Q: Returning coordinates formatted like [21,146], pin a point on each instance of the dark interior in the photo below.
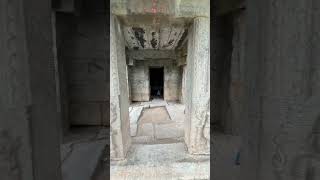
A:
[156,82]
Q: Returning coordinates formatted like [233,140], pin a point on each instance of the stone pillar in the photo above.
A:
[15,100]
[280,129]
[197,133]
[120,139]
[237,74]
[29,132]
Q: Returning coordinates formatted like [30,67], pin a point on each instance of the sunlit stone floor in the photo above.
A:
[158,150]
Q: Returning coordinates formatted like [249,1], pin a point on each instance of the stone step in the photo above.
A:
[82,159]
[161,161]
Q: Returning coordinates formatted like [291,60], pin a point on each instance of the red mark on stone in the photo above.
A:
[154,10]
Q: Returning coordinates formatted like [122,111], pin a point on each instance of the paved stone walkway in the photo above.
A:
[158,150]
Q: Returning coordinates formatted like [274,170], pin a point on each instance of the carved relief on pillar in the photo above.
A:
[306,165]
[113,142]
[200,130]
[202,141]
[297,145]
[199,140]
[9,164]
[11,45]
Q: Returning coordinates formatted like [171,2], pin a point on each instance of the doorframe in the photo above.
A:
[156,67]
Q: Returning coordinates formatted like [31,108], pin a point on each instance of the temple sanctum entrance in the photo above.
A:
[156,82]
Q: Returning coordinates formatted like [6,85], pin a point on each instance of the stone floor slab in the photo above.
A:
[160,161]
[170,130]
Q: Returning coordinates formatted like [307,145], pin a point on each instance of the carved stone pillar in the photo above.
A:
[29,132]
[198,88]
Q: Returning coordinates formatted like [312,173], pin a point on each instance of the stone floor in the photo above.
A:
[160,161]
[224,155]
[81,151]
[158,150]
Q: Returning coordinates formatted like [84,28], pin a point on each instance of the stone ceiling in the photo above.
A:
[157,38]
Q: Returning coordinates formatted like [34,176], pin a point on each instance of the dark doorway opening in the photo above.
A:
[156,82]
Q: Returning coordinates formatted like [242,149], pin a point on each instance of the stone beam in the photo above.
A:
[173,8]
[152,54]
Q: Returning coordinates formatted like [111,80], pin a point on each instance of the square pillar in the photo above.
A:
[120,139]
[29,122]
[197,133]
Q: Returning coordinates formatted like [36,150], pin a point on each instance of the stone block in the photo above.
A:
[85,114]
[83,91]
[87,69]
[146,129]
[143,139]
[134,116]
[170,130]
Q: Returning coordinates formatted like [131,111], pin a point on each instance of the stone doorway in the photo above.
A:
[156,82]
[156,56]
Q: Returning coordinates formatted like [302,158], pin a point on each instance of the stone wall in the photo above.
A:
[29,120]
[64,27]
[140,83]
[15,98]
[236,89]
[83,61]
[221,63]
[172,83]
[281,121]
[183,84]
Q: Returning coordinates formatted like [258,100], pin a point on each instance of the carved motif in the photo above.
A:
[306,166]
[202,136]
[9,165]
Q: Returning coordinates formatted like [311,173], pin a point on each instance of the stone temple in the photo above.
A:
[133,89]
[160,89]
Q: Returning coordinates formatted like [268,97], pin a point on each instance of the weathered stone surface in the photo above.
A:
[237,73]
[221,50]
[81,44]
[146,129]
[226,149]
[134,114]
[152,54]
[140,81]
[28,110]
[176,112]
[175,8]
[172,81]
[198,89]
[87,114]
[281,64]
[119,100]
[155,115]
[148,37]
[15,100]
[169,130]
[82,160]
[183,85]
[161,161]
